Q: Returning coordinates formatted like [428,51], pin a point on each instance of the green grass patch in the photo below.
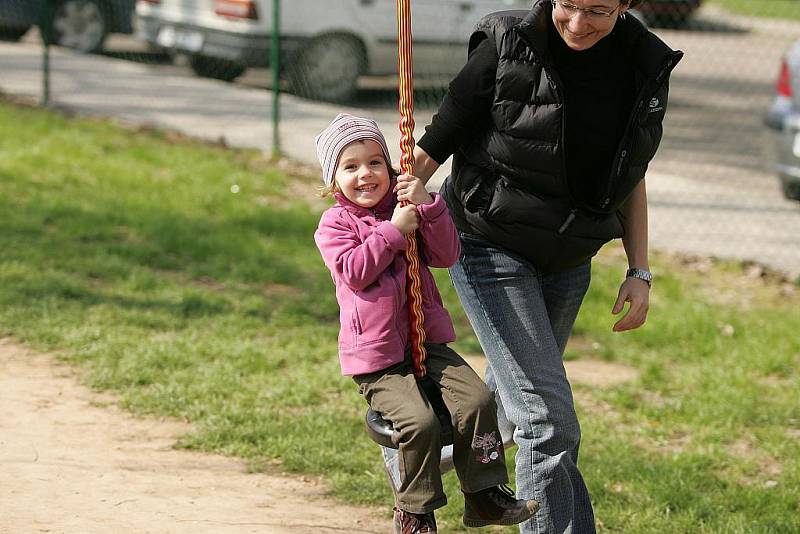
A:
[775,9]
[129,254]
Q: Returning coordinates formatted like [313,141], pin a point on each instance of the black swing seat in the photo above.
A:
[381,431]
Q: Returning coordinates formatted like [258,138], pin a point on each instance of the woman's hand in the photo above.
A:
[405,218]
[410,188]
[634,290]
[637,293]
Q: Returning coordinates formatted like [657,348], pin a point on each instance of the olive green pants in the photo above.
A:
[477,445]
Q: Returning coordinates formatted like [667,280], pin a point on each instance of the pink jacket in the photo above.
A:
[364,252]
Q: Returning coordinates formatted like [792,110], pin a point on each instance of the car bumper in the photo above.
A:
[787,133]
[250,50]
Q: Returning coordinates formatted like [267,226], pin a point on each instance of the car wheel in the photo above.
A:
[328,68]
[79,24]
[219,69]
[13,34]
[791,190]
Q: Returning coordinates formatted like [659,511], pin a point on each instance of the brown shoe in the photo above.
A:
[496,506]
[408,523]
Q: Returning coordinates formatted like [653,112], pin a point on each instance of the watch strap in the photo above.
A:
[641,274]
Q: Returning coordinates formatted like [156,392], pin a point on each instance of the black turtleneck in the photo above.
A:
[598,96]
[598,88]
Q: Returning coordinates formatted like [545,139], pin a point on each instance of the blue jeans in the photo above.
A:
[523,319]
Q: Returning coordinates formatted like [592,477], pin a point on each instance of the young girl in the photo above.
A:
[362,239]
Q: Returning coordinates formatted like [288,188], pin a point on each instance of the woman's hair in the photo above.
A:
[328,190]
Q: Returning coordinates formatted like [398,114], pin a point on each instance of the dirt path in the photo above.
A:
[71,462]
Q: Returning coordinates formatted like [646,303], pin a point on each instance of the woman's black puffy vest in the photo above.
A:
[510,184]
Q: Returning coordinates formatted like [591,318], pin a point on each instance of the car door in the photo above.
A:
[438,33]
[441,30]
[454,31]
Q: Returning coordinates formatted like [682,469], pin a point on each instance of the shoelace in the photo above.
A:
[425,522]
[421,521]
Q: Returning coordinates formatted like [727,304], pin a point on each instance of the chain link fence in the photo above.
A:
[205,68]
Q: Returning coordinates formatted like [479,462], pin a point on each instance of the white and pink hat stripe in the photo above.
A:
[341,132]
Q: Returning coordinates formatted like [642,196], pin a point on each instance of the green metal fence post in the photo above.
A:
[276,78]
[44,29]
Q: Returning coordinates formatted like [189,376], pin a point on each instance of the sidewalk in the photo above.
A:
[687,214]
[141,94]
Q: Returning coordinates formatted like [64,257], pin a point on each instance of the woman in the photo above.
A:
[552,124]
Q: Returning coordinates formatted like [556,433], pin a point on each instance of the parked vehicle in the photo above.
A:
[16,17]
[668,13]
[784,118]
[79,24]
[325,45]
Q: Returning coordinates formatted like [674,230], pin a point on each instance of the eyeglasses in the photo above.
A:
[592,12]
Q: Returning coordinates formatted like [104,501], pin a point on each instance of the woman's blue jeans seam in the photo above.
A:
[506,355]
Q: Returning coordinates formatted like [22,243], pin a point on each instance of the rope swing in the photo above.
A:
[406,105]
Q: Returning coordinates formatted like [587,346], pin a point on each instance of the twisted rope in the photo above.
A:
[406,105]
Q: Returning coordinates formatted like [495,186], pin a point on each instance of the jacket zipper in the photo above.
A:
[379,218]
[568,220]
[627,138]
[556,85]
[398,293]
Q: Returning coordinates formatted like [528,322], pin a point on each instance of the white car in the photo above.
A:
[325,44]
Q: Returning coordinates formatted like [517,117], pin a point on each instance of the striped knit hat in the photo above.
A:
[341,132]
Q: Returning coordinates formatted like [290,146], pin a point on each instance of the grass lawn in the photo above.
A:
[776,9]
[130,255]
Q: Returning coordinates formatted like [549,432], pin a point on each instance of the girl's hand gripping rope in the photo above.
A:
[405,218]
[411,189]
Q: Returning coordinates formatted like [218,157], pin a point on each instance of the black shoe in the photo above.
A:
[408,523]
[496,506]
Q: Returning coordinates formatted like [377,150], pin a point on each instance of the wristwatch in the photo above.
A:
[641,274]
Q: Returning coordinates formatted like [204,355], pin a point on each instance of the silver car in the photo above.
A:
[784,118]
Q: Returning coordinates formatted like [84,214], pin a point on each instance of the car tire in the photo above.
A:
[218,69]
[328,68]
[79,24]
[670,21]
[13,34]
[791,190]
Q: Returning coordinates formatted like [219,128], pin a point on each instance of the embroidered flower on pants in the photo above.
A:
[487,446]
